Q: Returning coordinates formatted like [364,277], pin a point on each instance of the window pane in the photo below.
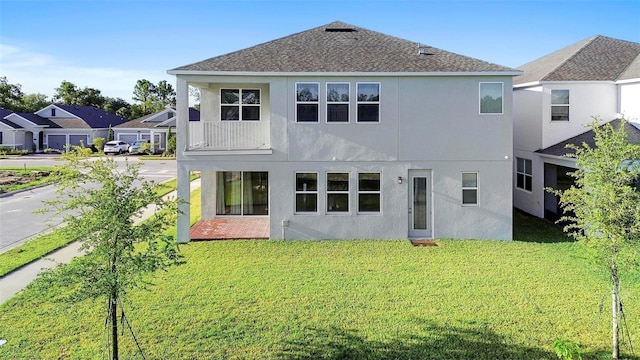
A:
[469,196]
[307,113]
[469,180]
[230,96]
[368,92]
[520,181]
[337,113]
[369,202]
[230,113]
[527,183]
[369,182]
[338,182]
[560,113]
[251,97]
[306,182]
[307,92]
[560,97]
[337,202]
[250,113]
[337,92]
[306,202]
[519,165]
[228,193]
[527,167]
[368,112]
[255,193]
[490,98]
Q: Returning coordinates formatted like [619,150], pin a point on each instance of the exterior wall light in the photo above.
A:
[399,179]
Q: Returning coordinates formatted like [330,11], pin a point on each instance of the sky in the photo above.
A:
[110,44]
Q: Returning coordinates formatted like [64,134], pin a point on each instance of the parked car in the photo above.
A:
[135,147]
[115,147]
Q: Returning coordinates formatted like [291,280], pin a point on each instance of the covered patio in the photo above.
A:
[230,228]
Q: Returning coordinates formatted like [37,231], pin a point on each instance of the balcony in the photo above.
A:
[228,135]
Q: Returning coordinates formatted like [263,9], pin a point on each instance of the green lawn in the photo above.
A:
[21,171]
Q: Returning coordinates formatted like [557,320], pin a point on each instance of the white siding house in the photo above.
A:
[555,99]
[340,132]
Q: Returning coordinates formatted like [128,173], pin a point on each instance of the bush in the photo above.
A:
[99,143]
[171,144]
[11,151]
[145,148]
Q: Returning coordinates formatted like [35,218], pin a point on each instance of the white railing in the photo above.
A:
[229,135]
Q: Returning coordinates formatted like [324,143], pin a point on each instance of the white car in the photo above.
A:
[115,147]
[135,147]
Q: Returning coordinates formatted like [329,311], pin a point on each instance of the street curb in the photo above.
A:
[11,193]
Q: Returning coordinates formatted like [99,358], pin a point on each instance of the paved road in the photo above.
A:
[18,223]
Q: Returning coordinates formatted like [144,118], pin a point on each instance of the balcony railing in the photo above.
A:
[229,135]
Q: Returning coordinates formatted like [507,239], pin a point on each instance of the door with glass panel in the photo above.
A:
[242,193]
[420,204]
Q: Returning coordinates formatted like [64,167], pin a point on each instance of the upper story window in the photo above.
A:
[307,102]
[53,112]
[368,102]
[491,95]
[469,188]
[239,105]
[337,102]
[559,105]
[524,174]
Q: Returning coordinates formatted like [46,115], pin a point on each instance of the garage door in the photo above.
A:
[128,138]
[78,140]
[56,141]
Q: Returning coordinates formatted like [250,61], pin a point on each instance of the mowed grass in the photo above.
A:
[21,171]
[341,300]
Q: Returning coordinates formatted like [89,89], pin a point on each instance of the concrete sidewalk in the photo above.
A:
[17,280]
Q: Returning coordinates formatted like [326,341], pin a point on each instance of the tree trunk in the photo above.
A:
[615,310]
[114,325]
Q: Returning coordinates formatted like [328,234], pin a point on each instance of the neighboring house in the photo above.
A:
[55,126]
[555,99]
[340,132]
[154,127]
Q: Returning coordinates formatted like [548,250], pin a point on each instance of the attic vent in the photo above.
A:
[346,30]
[424,50]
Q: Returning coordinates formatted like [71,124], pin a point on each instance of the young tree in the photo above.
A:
[602,209]
[105,202]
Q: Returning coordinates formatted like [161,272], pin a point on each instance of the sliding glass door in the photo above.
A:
[242,193]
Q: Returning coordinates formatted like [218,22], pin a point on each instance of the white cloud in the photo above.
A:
[42,73]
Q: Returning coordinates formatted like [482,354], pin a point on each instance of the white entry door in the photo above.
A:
[420,204]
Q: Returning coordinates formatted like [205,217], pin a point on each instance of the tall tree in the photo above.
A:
[165,93]
[105,201]
[10,95]
[67,93]
[34,102]
[602,208]
[144,92]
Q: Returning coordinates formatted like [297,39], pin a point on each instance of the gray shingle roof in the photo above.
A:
[339,47]
[598,58]
[560,149]
[10,124]
[141,123]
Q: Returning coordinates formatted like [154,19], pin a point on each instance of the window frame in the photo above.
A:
[358,102]
[316,103]
[338,192]
[327,102]
[501,97]
[306,192]
[470,188]
[524,174]
[369,192]
[557,105]
[241,105]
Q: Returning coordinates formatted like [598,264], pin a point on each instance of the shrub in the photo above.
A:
[99,143]
[11,151]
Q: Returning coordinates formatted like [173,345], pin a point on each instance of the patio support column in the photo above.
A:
[208,194]
[184,185]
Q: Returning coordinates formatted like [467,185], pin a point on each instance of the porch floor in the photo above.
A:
[231,228]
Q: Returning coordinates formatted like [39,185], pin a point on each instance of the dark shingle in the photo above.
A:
[340,47]
[9,123]
[93,117]
[560,149]
[38,120]
[598,58]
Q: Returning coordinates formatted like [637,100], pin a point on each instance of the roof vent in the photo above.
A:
[422,50]
[346,30]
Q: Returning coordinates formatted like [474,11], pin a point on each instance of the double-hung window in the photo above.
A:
[559,105]
[491,95]
[369,193]
[239,105]
[469,188]
[306,192]
[524,174]
[368,102]
[307,102]
[337,192]
[337,102]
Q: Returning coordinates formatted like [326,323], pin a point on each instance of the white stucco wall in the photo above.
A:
[428,123]
[630,100]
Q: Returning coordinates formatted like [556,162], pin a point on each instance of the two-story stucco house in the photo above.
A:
[340,132]
[555,99]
